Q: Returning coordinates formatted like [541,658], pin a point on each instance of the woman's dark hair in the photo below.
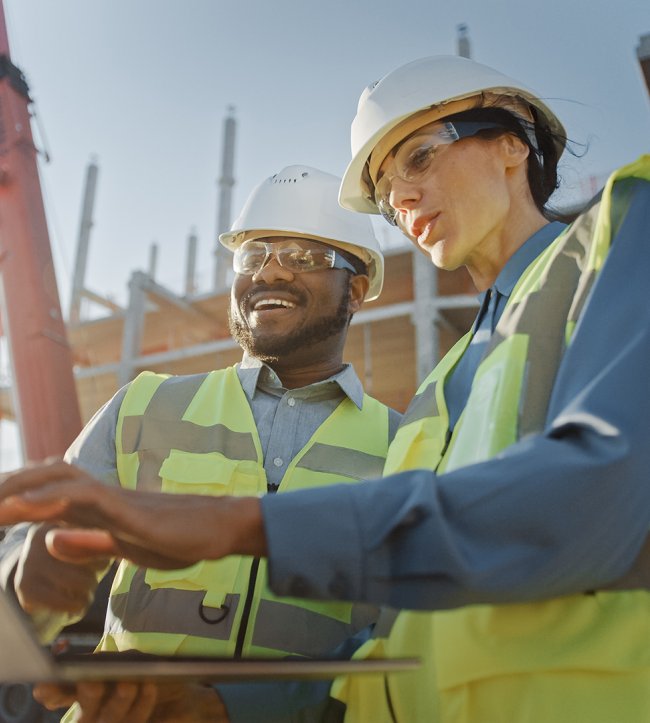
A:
[542,142]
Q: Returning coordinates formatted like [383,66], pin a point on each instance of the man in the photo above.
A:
[517,491]
[292,415]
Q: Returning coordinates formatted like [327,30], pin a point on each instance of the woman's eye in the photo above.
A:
[419,159]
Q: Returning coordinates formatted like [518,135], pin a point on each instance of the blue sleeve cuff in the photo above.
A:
[273,702]
[300,526]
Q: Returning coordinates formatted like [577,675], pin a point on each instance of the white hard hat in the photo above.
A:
[435,82]
[303,201]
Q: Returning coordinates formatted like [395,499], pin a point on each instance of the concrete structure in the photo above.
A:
[643,54]
[226,184]
[462,41]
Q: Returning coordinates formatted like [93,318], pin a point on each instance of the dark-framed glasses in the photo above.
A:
[412,159]
[297,255]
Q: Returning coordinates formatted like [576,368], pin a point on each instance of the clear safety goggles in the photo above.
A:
[297,255]
[412,159]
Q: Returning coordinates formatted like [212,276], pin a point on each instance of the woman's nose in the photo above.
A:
[404,195]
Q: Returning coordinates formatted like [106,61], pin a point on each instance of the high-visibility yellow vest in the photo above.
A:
[582,658]
[196,434]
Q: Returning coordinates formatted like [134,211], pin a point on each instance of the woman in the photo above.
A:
[463,160]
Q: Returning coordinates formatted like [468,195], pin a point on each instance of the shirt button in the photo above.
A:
[291,402]
[278,462]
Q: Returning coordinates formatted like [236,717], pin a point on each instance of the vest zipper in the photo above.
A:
[389,700]
[248,604]
[448,435]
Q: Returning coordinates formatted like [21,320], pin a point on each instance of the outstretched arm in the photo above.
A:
[151,529]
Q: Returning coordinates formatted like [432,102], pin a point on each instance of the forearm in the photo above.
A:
[243,516]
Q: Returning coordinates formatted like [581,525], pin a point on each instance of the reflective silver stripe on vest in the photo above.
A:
[385,622]
[341,461]
[147,433]
[162,428]
[167,610]
[422,405]
[623,192]
[280,626]
[542,316]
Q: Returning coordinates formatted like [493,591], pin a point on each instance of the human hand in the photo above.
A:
[122,702]
[188,703]
[129,702]
[151,529]
[42,582]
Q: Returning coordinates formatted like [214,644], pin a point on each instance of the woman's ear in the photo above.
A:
[514,150]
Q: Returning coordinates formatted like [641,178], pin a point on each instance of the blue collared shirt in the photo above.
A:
[493,302]
[286,419]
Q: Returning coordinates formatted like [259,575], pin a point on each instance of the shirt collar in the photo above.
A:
[525,255]
[254,374]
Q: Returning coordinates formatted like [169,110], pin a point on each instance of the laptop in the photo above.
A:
[24,660]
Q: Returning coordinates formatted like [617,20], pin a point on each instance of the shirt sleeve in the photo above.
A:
[563,511]
[94,451]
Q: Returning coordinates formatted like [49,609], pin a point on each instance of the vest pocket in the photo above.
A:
[217,578]
[198,474]
[204,474]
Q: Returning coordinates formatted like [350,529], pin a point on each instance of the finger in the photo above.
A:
[88,503]
[18,509]
[116,707]
[144,704]
[54,696]
[82,502]
[35,476]
[89,697]
[81,546]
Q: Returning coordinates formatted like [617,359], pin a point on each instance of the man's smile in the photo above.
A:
[272,303]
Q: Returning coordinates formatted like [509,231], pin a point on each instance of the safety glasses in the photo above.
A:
[413,158]
[297,255]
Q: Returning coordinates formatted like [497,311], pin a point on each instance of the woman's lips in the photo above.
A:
[422,227]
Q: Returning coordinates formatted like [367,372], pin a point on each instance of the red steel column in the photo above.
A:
[47,407]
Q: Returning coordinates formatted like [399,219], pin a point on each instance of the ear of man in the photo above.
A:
[359,285]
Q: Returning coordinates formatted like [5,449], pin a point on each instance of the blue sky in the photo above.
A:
[143,85]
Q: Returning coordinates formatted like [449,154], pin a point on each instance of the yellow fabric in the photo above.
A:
[577,659]
[220,400]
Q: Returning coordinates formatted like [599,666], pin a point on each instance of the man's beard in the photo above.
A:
[273,347]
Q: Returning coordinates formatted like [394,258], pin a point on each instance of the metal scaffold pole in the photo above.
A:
[223,259]
[46,398]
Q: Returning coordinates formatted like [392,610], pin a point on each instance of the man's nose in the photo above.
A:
[271,272]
